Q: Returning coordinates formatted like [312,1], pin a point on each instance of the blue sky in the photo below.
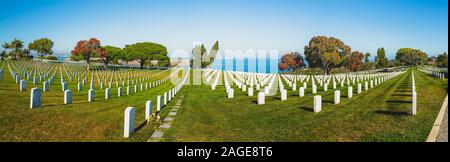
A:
[284,25]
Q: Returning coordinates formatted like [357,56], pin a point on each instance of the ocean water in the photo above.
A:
[242,65]
[247,65]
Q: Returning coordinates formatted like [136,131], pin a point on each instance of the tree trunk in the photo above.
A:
[142,62]
[88,64]
[106,62]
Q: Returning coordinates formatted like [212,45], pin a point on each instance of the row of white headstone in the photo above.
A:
[318,99]
[50,67]
[242,80]
[36,93]
[434,73]
[129,114]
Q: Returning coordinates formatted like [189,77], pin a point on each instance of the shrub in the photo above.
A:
[51,57]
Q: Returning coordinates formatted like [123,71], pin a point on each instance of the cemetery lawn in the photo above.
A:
[379,114]
[101,120]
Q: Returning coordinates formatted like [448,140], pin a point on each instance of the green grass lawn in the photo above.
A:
[379,114]
[101,120]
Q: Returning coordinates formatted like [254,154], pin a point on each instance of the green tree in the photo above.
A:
[409,56]
[326,53]
[145,51]
[211,56]
[442,60]
[366,58]
[201,58]
[198,53]
[381,60]
[113,54]
[42,47]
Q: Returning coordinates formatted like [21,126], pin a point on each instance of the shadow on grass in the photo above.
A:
[327,101]
[387,112]
[401,90]
[398,101]
[401,95]
[140,126]
[307,109]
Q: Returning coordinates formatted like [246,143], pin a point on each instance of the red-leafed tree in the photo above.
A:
[87,49]
[291,61]
[103,54]
[355,61]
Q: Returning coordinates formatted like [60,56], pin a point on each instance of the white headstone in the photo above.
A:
[67,97]
[165,98]
[148,110]
[301,91]
[80,86]
[64,86]
[359,88]
[314,89]
[231,93]
[35,99]
[158,103]
[414,103]
[350,92]
[261,98]
[317,103]
[91,95]
[250,91]
[46,86]
[119,91]
[128,127]
[107,93]
[23,85]
[337,97]
[283,95]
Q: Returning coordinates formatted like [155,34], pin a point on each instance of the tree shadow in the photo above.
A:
[387,112]
[255,101]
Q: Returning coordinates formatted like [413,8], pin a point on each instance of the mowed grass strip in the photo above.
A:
[380,114]
[101,120]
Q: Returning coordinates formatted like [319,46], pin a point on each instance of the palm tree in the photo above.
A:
[17,45]
[5,46]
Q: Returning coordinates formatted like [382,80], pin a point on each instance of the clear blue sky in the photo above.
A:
[284,25]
